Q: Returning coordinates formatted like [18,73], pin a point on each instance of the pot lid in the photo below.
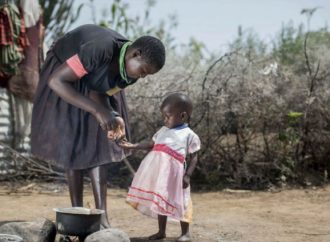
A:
[78,210]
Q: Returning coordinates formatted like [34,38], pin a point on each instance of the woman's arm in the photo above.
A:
[99,98]
[61,83]
[118,130]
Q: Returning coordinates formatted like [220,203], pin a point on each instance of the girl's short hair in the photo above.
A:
[152,50]
[180,101]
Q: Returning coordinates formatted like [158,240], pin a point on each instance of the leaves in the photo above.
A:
[59,16]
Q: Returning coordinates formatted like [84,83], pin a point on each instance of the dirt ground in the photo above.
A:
[226,216]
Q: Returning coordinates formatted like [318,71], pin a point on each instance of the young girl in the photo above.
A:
[160,187]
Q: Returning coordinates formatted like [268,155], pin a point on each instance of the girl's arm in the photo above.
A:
[146,145]
[61,83]
[192,165]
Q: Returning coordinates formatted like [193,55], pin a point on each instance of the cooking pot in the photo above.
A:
[78,221]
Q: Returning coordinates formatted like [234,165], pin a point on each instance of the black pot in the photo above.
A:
[78,221]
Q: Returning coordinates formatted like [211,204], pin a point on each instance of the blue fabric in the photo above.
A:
[181,126]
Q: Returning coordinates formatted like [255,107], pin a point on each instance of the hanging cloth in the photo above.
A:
[25,83]
[11,48]
[6,31]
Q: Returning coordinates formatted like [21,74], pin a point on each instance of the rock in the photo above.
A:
[42,230]
[10,237]
[113,235]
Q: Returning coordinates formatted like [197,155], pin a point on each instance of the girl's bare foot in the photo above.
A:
[184,237]
[157,236]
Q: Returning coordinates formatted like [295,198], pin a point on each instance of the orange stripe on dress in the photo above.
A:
[75,64]
[169,151]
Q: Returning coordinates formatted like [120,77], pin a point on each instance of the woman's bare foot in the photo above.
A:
[105,226]
[104,222]
[157,236]
[184,237]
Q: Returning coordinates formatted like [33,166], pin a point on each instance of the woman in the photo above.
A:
[79,94]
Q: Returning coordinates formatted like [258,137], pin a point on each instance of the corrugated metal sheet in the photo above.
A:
[14,129]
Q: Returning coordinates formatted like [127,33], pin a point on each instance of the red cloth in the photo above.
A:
[75,64]
[23,41]
[6,30]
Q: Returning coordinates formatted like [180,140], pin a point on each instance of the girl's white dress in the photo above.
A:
[157,184]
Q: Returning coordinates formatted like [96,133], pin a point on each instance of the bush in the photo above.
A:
[261,123]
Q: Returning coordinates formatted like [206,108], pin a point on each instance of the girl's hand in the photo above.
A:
[126,145]
[186,181]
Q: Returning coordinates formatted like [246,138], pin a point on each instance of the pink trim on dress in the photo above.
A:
[75,64]
[169,151]
[150,200]
[156,194]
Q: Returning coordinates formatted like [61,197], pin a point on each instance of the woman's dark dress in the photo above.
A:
[62,133]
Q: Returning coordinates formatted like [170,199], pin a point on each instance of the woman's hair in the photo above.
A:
[180,101]
[152,50]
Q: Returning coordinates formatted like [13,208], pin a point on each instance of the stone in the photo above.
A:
[42,230]
[112,234]
[10,237]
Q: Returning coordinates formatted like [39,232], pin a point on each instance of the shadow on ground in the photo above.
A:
[145,239]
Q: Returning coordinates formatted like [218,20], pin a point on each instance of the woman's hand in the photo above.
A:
[118,131]
[109,121]
[105,118]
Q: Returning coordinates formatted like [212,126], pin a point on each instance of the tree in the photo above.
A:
[117,18]
[58,16]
